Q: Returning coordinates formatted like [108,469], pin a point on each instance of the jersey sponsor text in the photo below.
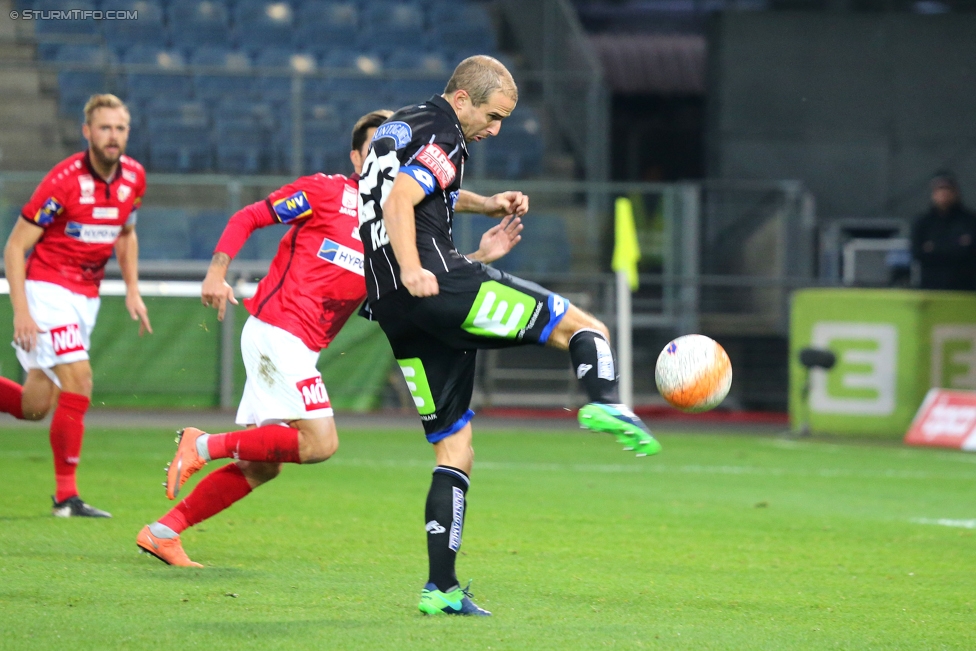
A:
[92,233]
[437,161]
[341,255]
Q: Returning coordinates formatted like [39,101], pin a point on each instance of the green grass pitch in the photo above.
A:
[721,542]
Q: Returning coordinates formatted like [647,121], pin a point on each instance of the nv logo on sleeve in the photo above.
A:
[291,208]
[51,209]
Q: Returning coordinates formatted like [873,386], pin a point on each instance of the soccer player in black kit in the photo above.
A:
[438,307]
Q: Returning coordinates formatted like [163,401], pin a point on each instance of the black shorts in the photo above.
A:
[435,339]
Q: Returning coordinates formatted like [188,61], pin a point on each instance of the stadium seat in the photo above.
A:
[176,147]
[89,54]
[321,27]
[258,23]
[214,85]
[57,27]
[205,229]
[236,109]
[242,147]
[146,30]
[144,86]
[516,152]
[164,233]
[195,23]
[545,246]
[169,110]
[326,148]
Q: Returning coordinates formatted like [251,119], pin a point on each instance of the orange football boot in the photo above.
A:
[168,550]
[186,462]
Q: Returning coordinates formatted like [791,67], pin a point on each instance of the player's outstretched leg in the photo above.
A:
[215,492]
[11,398]
[589,349]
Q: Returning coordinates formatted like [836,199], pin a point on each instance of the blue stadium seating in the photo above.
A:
[164,233]
[262,22]
[205,229]
[232,83]
[242,147]
[144,86]
[516,152]
[146,30]
[322,27]
[196,23]
[66,27]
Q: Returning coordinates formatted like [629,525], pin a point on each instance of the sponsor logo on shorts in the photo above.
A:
[293,207]
[313,393]
[457,519]
[124,192]
[428,417]
[400,132]
[67,339]
[499,311]
[438,162]
[51,209]
[105,212]
[342,256]
[350,201]
[416,378]
[92,233]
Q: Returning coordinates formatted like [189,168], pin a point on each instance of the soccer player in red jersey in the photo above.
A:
[314,285]
[83,210]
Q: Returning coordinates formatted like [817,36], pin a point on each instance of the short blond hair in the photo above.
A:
[480,76]
[105,100]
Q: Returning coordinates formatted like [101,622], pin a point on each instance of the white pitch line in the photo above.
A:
[946,522]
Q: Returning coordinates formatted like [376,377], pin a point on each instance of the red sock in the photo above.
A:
[11,398]
[67,430]
[213,494]
[268,443]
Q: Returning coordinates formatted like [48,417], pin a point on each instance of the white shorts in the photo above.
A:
[68,318]
[283,383]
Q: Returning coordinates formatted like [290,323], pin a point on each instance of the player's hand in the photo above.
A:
[215,293]
[500,239]
[420,282]
[138,312]
[26,331]
[507,203]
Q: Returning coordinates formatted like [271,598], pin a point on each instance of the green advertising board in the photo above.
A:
[891,347]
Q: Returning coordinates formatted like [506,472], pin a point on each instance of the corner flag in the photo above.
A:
[626,250]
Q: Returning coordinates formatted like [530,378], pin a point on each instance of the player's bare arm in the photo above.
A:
[22,239]
[215,291]
[127,253]
[511,202]
[398,217]
[498,240]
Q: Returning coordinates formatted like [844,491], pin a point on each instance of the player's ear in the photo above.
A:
[86,130]
[356,160]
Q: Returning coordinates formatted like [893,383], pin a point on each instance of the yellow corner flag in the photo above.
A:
[626,250]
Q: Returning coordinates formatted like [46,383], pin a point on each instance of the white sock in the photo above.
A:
[202,447]
[162,531]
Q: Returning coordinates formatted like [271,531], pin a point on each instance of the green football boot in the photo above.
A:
[454,602]
[622,423]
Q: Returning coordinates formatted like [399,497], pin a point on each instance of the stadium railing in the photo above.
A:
[718,257]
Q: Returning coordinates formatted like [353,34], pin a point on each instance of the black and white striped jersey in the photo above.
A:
[426,142]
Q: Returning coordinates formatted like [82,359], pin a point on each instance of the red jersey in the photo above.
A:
[82,215]
[316,281]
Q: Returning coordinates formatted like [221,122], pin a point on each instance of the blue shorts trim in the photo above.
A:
[558,306]
[434,437]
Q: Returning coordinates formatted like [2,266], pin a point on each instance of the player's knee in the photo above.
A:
[34,411]
[319,446]
[258,473]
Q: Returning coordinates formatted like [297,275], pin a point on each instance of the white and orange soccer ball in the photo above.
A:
[693,373]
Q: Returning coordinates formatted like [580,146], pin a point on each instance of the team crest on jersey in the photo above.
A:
[129,175]
[92,233]
[399,131]
[87,186]
[313,393]
[439,163]
[51,209]
[342,256]
[350,201]
[291,208]
[124,192]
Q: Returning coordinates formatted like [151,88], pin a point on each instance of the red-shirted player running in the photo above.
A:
[314,285]
[83,210]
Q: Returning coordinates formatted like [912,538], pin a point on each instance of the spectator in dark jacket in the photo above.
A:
[944,239]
